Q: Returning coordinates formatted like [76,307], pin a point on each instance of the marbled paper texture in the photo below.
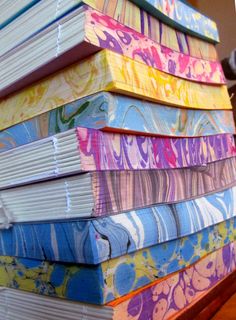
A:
[121,113]
[114,278]
[135,152]
[182,16]
[102,193]
[96,240]
[109,71]
[89,150]
[167,297]
[119,191]
[139,20]
[105,32]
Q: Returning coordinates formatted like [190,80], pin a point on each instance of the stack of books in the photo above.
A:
[117,160]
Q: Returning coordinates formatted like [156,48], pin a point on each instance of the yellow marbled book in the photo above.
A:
[109,71]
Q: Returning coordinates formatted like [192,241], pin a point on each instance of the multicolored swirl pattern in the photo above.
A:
[117,277]
[109,71]
[182,16]
[157,86]
[167,297]
[119,191]
[139,20]
[120,113]
[130,156]
[132,152]
[93,241]
[102,193]
[105,32]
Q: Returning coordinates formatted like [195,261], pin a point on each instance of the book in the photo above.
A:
[117,113]
[85,31]
[10,10]
[44,13]
[83,150]
[188,284]
[182,16]
[109,71]
[27,23]
[94,240]
[101,193]
[104,282]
